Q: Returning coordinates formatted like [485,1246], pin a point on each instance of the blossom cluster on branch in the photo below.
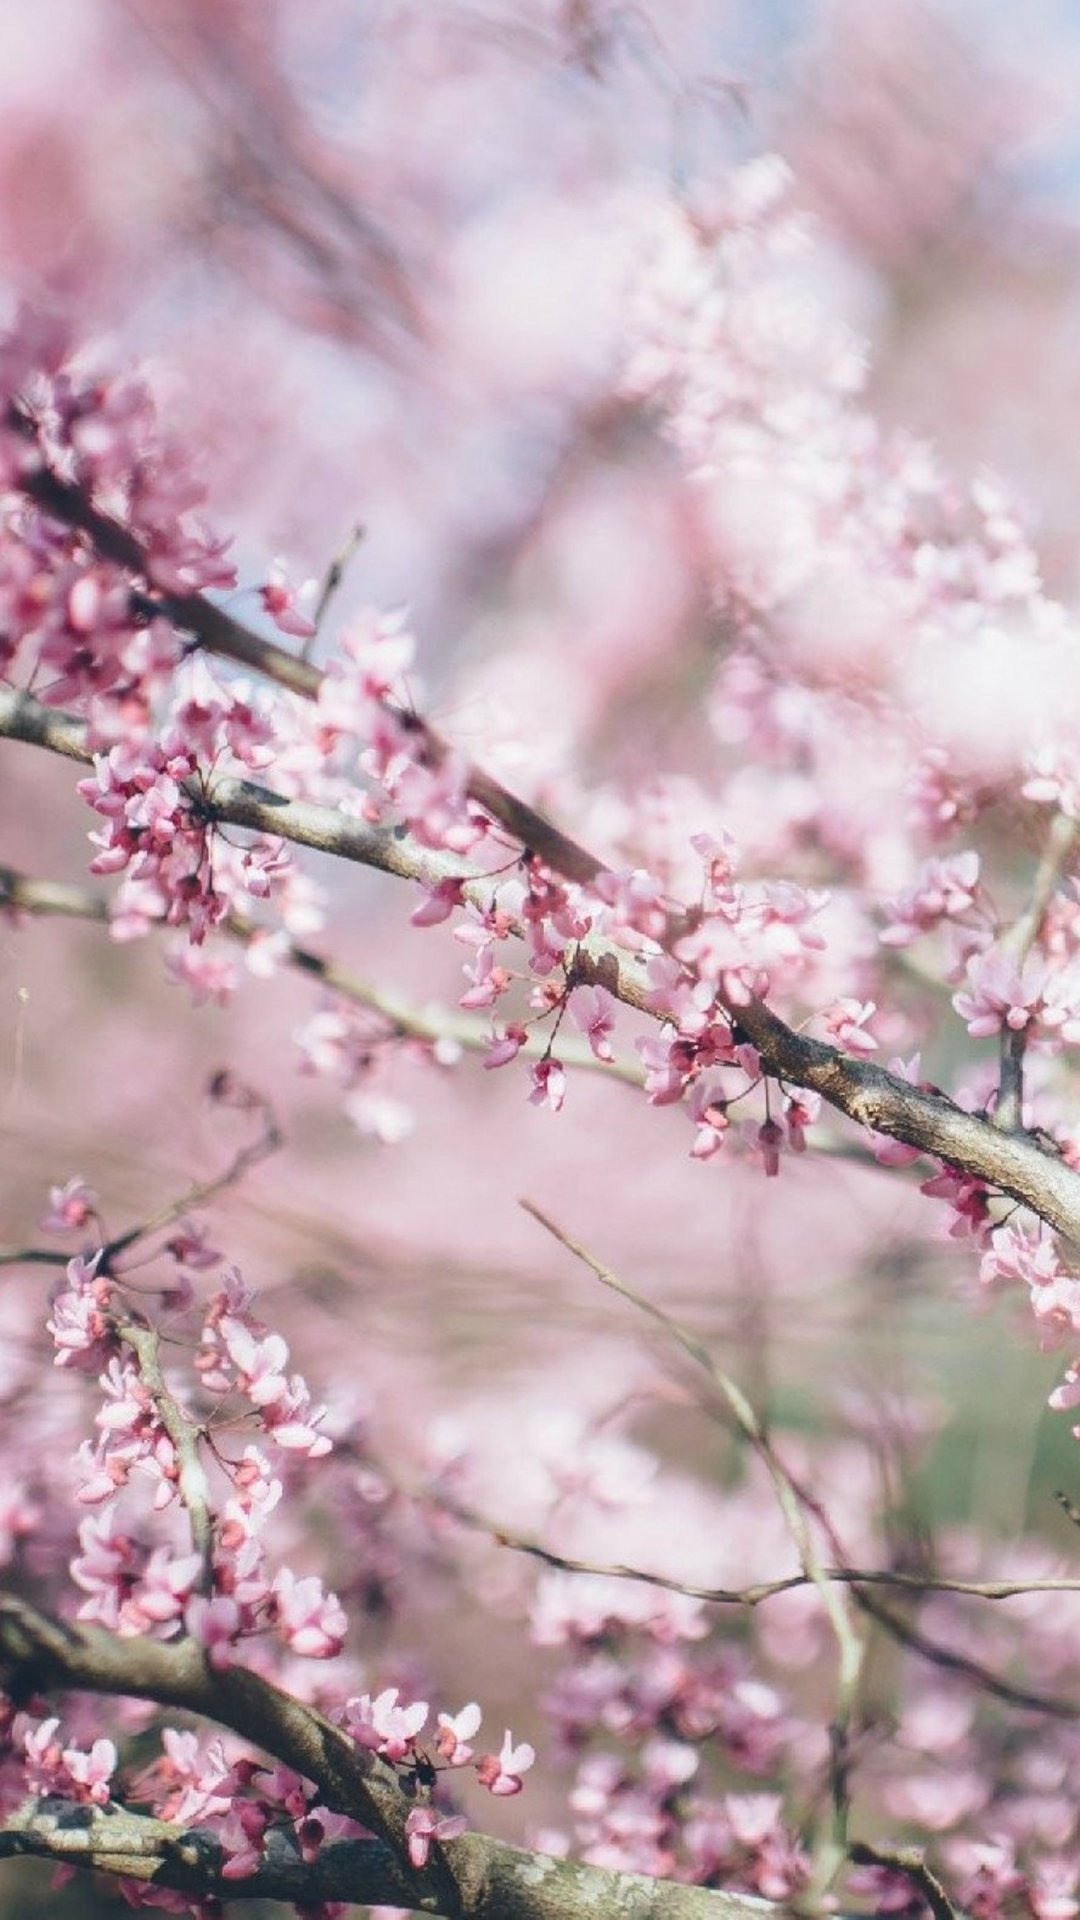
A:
[792,945]
[761,394]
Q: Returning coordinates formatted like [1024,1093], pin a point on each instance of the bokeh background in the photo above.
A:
[368,257]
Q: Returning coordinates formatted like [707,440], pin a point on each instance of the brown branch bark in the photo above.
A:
[471,1878]
[866,1093]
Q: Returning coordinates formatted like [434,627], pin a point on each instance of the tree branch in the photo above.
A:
[51,897]
[867,1094]
[471,1878]
[38,1654]
[498,1882]
[916,1584]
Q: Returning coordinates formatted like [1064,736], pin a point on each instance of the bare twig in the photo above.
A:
[837,1610]
[795,1498]
[335,574]
[267,1141]
[912,1861]
[918,1585]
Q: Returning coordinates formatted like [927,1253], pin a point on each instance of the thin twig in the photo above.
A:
[335,574]
[186,1436]
[800,1498]
[912,1862]
[752,1596]
[837,1610]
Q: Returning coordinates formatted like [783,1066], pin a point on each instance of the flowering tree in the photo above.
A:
[783,837]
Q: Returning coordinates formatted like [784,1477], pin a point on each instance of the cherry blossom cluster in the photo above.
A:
[220,1596]
[177,868]
[674,1732]
[70,612]
[720,328]
[175,1545]
[754,381]
[677,1730]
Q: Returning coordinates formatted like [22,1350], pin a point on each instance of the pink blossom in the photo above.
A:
[455,1731]
[164,1589]
[800,1112]
[381,1724]
[70,1207]
[593,1011]
[1001,994]
[45,1766]
[1017,1254]
[440,903]
[190,1779]
[501,1773]
[668,1062]
[423,1826]
[312,1623]
[707,1109]
[487,980]
[548,1084]
[945,889]
[505,1046]
[79,1322]
[91,1773]
[969,1200]
[845,1022]
[215,1623]
[282,602]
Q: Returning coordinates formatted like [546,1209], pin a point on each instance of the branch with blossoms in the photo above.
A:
[348,1799]
[110,578]
[160,1623]
[921,1117]
[494,1879]
[451,799]
[350,1803]
[305,1859]
[433,1027]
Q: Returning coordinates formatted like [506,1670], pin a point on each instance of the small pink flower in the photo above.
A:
[91,1772]
[381,1724]
[215,1624]
[800,1112]
[440,902]
[311,1622]
[70,1207]
[501,1773]
[593,1010]
[548,1084]
[281,602]
[424,1826]
[845,1022]
[505,1046]
[455,1731]
[1000,994]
